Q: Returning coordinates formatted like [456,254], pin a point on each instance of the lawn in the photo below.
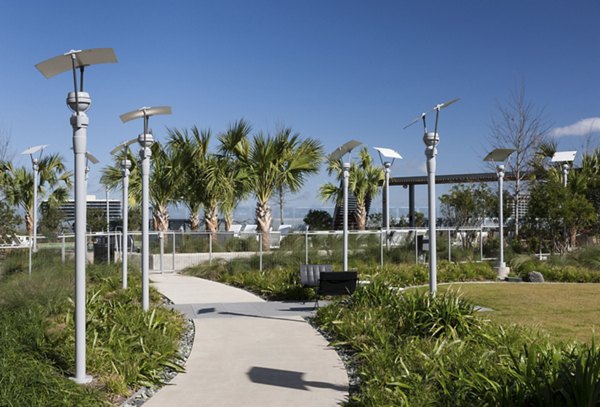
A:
[567,311]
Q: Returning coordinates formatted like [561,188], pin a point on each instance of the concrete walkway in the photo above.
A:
[249,352]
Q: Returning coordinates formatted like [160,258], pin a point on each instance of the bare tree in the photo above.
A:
[518,124]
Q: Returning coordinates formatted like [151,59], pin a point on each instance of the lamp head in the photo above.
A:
[146,140]
[79,102]
[431,139]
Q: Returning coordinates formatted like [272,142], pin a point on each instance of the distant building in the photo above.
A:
[114,208]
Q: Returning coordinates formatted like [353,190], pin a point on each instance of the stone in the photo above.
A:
[535,277]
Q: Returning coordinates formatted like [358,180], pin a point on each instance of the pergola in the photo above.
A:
[410,182]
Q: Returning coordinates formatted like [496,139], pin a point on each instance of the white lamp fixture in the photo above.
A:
[338,154]
[146,140]
[431,141]
[387,157]
[35,163]
[500,155]
[565,157]
[79,102]
[125,166]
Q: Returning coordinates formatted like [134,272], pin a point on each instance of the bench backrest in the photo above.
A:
[309,273]
[337,283]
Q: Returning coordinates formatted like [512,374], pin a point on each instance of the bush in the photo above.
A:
[126,347]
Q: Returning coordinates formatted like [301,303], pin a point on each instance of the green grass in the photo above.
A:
[566,311]
[126,347]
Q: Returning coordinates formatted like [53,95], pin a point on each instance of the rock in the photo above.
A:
[535,277]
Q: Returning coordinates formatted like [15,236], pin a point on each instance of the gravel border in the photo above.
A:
[185,348]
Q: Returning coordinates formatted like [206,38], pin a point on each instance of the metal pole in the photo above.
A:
[62,249]
[210,248]
[79,122]
[260,251]
[35,206]
[346,173]
[125,215]
[161,242]
[381,232]
[386,216]
[145,154]
[500,171]
[107,228]
[173,233]
[449,246]
[306,245]
[431,140]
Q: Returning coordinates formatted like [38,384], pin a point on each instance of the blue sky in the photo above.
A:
[332,70]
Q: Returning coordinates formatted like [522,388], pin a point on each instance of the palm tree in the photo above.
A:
[233,150]
[163,185]
[363,183]
[54,185]
[163,182]
[269,163]
[189,152]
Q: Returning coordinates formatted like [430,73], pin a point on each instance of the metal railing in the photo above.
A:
[174,250]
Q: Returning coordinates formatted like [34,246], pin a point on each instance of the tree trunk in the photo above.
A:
[360,215]
[228,220]
[194,221]
[211,220]
[263,220]
[29,223]
[160,218]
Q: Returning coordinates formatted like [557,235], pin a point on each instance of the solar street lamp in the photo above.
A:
[145,140]
[125,167]
[431,141]
[566,158]
[500,155]
[79,102]
[35,163]
[339,154]
[387,157]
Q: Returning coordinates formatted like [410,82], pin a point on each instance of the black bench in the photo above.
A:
[336,283]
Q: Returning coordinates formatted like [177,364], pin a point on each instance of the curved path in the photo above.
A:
[249,352]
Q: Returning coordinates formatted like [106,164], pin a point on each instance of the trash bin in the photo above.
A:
[101,249]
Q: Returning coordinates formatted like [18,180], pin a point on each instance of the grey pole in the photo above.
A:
[346,173]
[565,172]
[36,169]
[387,165]
[79,102]
[146,141]
[501,264]
[126,165]
[431,140]
[107,227]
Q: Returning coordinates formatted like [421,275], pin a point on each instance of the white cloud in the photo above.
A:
[581,128]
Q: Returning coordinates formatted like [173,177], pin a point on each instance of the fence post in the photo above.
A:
[62,249]
[306,245]
[481,243]
[209,248]
[416,248]
[381,249]
[173,233]
[449,246]
[260,251]
[161,244]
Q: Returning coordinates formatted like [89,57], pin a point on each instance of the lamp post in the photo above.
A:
[35,163]
[431,141]
[500,155]
[79,102]
[125,167]
[339,154]
[145,140]
[566,158]
[385,154]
